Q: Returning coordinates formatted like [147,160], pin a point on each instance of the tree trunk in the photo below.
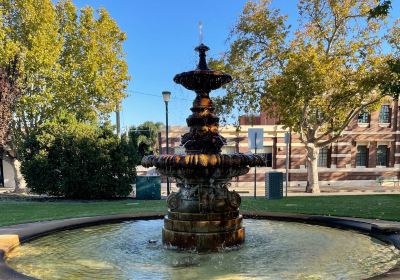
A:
[312,169]
[18,178]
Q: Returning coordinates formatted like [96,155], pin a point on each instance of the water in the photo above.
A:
[273,250]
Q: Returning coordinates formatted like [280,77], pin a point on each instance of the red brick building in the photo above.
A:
[369,148]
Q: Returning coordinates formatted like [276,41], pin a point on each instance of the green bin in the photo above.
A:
[148,187]
[274,185]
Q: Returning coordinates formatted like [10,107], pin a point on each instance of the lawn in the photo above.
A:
[363,206]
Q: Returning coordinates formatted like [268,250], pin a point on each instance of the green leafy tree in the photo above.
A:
[315,79]
[75,160]
[145,138]
[93,71]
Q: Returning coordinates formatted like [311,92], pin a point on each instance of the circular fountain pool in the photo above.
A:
[273,250]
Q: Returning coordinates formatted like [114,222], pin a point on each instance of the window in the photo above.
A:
[362,155]
[384,114]
[179,150]
[323,157]
[363,117]
[228,150]
[268,160]
[382,155]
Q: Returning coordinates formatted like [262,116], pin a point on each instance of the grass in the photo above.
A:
[385,207]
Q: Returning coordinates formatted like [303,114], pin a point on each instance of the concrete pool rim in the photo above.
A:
[385,231]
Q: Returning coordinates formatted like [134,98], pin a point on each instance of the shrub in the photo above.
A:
[79,161]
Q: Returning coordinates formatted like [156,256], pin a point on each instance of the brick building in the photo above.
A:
[369,148]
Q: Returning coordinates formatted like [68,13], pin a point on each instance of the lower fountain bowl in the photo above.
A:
[203,242]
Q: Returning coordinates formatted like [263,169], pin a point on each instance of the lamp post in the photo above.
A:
[166,96]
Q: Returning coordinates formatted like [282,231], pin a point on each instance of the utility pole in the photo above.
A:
[255,167]
[287,141]
[118,119]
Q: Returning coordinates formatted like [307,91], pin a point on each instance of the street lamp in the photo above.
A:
[166,96]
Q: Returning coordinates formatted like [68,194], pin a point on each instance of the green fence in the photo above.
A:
[274,185]
[148,187]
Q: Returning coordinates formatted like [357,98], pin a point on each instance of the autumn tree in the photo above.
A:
[8,96]
[314,79]
[9,93]
[70,61]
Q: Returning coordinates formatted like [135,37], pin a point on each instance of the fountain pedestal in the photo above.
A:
[201,232]
[203,215]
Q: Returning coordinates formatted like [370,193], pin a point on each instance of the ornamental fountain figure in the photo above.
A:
[203,215]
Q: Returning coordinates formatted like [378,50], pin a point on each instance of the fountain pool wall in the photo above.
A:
[387,232]
[273,250]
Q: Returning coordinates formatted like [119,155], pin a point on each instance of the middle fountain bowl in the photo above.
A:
[203,215]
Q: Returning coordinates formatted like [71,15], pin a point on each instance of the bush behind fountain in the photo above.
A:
[78,161]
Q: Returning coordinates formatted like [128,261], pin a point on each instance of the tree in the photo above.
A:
[393,82]
[316,79]
[69,60]
[145,138]
[75,160]
[72,62]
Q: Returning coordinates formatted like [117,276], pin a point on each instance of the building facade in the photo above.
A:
[368,148]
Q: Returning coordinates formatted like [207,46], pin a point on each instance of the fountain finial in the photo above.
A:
[202,49]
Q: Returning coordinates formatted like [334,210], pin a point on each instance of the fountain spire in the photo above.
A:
[200,32]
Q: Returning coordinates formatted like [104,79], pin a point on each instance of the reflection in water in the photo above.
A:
[273,250]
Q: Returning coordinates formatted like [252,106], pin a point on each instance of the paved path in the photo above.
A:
[296,191]
[261,192]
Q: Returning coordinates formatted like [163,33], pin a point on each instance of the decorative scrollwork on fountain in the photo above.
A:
[234,199]
[173,201]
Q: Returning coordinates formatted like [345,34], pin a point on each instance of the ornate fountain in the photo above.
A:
[203,215]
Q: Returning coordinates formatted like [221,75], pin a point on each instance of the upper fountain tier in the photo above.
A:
[202,79]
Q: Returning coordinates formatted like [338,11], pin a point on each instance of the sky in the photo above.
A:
[161,37]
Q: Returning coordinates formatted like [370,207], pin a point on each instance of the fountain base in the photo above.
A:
[203,232]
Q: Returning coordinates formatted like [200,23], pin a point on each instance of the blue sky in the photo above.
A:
[161,36]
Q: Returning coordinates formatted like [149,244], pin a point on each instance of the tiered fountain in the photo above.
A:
[203,215]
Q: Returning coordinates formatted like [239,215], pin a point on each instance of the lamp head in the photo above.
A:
[166,95]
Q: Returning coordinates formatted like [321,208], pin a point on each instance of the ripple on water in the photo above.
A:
[273,250]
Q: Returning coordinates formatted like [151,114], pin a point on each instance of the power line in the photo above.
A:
[155,95]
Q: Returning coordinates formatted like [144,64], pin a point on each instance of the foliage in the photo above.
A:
[315,79]
[77,160]
[145,138]
[257,49]
[380,10]
[392,86]
[69,60]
